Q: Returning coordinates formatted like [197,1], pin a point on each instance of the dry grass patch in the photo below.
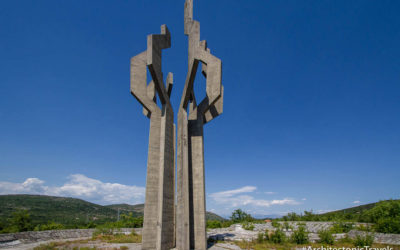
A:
[119,238]
[105,238]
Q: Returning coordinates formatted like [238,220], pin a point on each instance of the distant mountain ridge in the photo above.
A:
[139,208]
[352,210]
[68,211]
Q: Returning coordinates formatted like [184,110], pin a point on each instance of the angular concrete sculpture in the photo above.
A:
[163,228]
[159,210]
[191,206]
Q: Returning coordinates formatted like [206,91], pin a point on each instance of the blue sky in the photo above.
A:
[311,108]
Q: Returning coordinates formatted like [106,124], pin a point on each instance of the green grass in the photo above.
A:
[119,238]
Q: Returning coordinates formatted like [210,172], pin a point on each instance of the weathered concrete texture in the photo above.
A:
[159,220]
[191,207]
[182,208]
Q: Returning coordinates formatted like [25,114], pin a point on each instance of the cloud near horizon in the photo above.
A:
[237,197]
[79,186]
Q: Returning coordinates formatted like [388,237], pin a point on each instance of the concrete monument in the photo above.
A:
[191,206]
[159,209]
[163,227]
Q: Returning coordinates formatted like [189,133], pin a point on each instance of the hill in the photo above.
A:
[139,208]
[352,210]
[378,212]
[68,211]
[362,213]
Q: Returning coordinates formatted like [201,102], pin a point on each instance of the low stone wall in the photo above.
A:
[311,226]
[393,239]
[237,233]
[33,236]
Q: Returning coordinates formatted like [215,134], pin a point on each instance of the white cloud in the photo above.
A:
[304,199]
[79,186]
[356,202]
[229,193]
[236,197]
[270,192]
[322,211]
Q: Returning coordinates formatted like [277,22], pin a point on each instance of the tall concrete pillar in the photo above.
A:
[191,207]
[159,211]
[184,225]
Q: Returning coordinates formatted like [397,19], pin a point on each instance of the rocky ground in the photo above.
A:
[30,240]
[237,233]
[108,246]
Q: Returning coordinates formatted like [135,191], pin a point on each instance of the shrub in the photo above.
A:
[49,226]
[267,235]
[278,237]
[226,223]
[286,226]
[20,221]
[388,225]
[326,237]
[300,236]
[106,229]
[214,224]
[345,240]
[363,241]
[248,226]
[219,224]
[128,220]
[260,238]
[341,227]
[365,228]
[276,224]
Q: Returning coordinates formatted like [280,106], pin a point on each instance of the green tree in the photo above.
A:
[21,221]
[385,215]
[293,217]
[128,220]
[240,216]
[308,216]
[388,225]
